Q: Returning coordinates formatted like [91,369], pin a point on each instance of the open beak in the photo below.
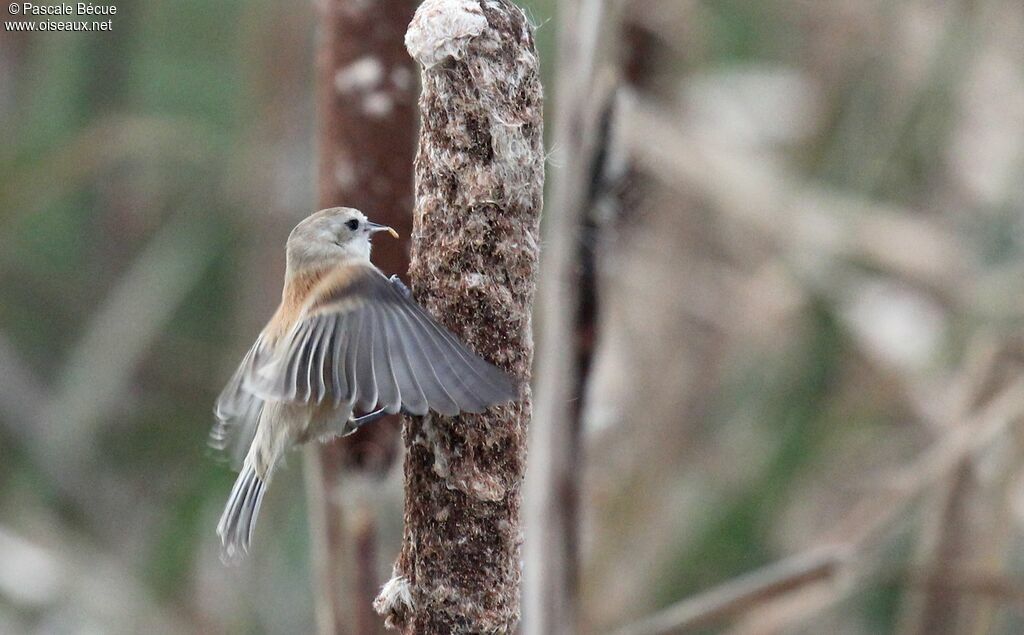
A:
[374,228]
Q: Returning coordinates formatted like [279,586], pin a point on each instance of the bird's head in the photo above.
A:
[331,236]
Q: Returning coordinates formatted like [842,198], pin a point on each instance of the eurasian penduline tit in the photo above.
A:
[345,339]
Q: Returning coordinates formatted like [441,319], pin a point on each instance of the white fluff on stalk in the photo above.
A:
[441,29]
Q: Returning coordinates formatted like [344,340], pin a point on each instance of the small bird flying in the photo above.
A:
[345,339]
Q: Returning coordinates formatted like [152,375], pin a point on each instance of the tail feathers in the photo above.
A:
[239,518]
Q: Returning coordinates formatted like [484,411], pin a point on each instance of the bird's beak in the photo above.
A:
[374,228]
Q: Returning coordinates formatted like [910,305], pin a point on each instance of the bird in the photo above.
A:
[345,339]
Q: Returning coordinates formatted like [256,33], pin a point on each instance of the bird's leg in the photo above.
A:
[397,282]
[358,422]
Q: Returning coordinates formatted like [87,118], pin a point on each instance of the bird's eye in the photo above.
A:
[352,224]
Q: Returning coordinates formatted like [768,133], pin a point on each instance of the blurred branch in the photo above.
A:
[552,484]
[367,579]
[328,548]
[742,593]
[367,123]
[949,536]
[941,609]
[960,442]
[958,581]
[671,21]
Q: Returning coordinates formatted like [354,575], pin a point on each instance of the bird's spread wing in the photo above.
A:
[238,409]
[362,343]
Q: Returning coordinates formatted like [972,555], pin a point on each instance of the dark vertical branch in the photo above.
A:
[367,111]
[479,181]
[367,125]
[366,582]
[552,486]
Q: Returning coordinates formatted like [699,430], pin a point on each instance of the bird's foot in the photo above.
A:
[358,422]
[398,284]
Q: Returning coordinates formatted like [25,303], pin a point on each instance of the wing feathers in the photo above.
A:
[489,384]
[389,396]
[320,369]
[365,375]
[310,353]
[293,364]
[371,346]
[423,368]
[336,357]
[355,327]
[448,365]
[237,411]
[413,398]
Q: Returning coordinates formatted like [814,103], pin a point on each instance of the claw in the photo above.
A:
[398,284]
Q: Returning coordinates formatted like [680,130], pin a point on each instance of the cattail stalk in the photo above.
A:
[479,180]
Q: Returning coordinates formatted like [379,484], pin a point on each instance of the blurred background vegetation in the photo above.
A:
[811,306]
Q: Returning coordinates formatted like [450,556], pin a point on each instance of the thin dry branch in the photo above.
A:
[479,179]
[742,593]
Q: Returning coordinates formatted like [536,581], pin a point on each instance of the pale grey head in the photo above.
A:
[331,236]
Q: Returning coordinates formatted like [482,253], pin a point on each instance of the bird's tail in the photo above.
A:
[239,517]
